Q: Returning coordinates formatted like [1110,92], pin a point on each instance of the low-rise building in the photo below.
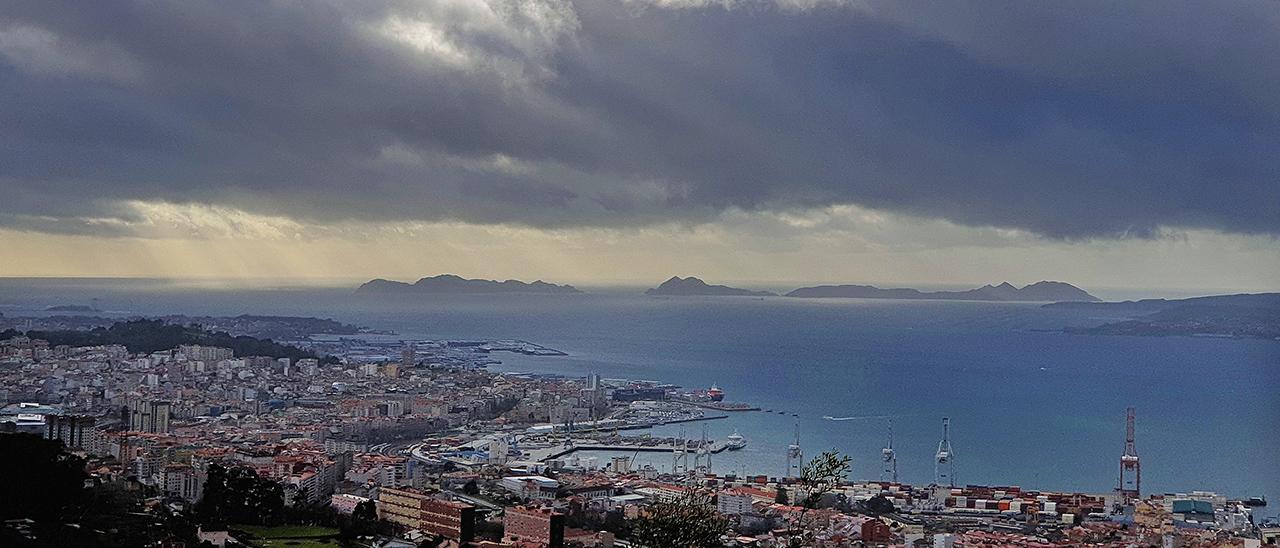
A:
[417,509]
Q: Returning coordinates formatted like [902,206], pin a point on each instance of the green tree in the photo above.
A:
[817,478]
[879,505]
[212,507]
[41,479]
[690,521]
[364,519]
[238,495]
[48,486]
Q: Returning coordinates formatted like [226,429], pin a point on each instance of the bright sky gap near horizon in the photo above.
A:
[770,141]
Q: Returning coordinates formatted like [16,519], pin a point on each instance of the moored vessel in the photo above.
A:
[715,393]
[735,441]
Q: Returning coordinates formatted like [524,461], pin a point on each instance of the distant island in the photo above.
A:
[449,284]
[71,308]
[1246,315]
[1039,291]
[691,286]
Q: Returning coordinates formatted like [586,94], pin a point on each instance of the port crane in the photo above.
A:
[702,456]
[1130,484]
[890,459]
[795,456]
[944,459]
[679,455]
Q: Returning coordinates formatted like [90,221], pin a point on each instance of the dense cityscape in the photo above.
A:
[450,454]
[639,274]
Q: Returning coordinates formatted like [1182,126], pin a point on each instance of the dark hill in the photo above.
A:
[448,284]
[1254,315]
[1039,291]
[691,286]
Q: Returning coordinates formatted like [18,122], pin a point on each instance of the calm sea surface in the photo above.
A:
[1029,406]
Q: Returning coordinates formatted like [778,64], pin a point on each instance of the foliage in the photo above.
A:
[238,495]
[155,335]
[48,488]
[690,521]
[363,521]
[365,512]
[879,505]
[41,481]
[817,478]
[471,488]
[615,522]
[821,475]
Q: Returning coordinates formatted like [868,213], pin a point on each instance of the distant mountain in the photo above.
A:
[1255,315]
[1262,300]
[71,308]
[692,286]
[448,284]
[1039,291]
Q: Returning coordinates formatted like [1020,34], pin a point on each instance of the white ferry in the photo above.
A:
[735,441]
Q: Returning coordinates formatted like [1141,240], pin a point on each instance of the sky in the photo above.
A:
[1108,144]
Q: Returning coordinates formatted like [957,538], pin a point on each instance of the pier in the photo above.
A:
[650,445]
[723,406]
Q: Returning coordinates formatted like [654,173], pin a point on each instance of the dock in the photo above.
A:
[715,448]
[629,445]
[731,406]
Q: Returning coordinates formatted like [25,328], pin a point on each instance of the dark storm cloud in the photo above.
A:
[1103,120]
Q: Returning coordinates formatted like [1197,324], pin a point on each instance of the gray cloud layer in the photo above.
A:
[1071,120]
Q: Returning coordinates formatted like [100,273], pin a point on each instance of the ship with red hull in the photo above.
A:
[715,393]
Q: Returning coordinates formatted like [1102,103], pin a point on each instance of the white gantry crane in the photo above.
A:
[890,459]
[1130,485]
[795,456]
[944,459]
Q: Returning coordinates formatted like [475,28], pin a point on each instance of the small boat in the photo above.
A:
[735,441]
